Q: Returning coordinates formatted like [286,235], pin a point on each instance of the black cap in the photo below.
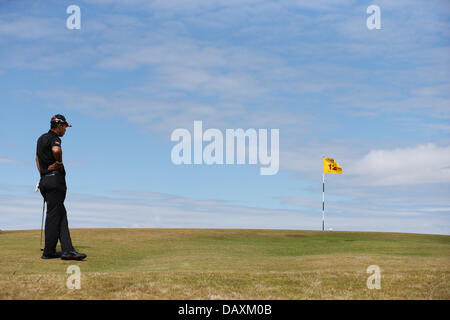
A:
[59,118]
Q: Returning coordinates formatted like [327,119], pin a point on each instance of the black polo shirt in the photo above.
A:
[44,150]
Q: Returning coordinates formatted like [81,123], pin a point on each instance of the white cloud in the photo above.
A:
[435,91]
[29,28]
[426,163]
[158,114]
[151,210]
[157,210]
[9,160]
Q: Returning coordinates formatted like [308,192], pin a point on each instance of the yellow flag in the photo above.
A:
[331,166]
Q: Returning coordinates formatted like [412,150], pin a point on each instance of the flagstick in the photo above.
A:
[323,201]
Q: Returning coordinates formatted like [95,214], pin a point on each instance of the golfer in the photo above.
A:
[53,188]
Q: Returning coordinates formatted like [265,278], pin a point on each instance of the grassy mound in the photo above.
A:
[228,264]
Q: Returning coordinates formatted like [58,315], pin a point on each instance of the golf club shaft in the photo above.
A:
[42,222]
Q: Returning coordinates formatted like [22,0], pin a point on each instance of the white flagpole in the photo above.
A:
[323,201]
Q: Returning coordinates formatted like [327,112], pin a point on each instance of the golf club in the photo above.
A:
[42,222]
[43,206]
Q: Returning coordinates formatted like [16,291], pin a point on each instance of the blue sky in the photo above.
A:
[375,100]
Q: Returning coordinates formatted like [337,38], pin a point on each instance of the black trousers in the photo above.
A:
[53,188]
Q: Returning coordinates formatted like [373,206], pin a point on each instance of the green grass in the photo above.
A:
[228,264]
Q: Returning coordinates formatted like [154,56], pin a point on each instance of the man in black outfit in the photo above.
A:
[53,188]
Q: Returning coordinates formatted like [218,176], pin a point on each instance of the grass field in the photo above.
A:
[228,264]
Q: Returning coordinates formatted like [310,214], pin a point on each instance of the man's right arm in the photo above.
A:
[57,154]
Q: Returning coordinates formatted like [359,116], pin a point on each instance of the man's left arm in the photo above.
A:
[37,164]
[39,169]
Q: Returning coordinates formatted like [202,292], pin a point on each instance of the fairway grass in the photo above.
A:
[228,264]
